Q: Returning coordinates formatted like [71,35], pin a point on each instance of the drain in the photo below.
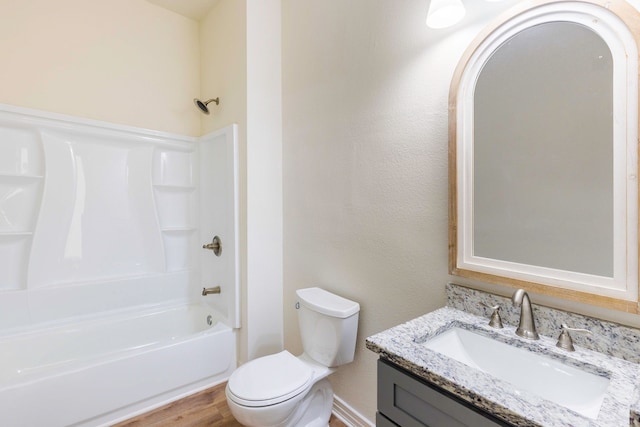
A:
[209,320]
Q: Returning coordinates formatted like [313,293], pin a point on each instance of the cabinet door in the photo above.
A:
[410,402]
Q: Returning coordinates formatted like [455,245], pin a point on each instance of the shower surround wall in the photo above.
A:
[99,219]
[95,217]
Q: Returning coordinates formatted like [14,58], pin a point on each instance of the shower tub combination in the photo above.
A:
[102,371]
[102,267]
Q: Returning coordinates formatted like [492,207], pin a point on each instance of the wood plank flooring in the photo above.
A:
[207,408]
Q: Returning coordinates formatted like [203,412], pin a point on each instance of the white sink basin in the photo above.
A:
[575,389]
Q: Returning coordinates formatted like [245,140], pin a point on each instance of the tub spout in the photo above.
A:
[207,291]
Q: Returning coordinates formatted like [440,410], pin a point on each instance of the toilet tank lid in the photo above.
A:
[324,302]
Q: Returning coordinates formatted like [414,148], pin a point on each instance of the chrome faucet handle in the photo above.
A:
[564,340]
[495,321]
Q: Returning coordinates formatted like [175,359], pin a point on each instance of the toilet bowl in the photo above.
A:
[282,390]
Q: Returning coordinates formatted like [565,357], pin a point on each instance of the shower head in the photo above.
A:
[203,105]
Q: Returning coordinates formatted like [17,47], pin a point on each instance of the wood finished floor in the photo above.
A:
[206,408]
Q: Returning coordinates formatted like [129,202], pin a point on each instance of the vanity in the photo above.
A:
[405,399]
[543,198]
[450,368]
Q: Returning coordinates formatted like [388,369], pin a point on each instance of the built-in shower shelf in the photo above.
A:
[15,233]
[20,176]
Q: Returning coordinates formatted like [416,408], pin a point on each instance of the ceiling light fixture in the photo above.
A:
[444,13]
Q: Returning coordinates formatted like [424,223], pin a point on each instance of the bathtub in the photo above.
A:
[104,370]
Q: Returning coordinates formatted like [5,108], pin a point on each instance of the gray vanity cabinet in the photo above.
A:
[406,400]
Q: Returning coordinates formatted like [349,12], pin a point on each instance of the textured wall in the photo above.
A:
[365,86]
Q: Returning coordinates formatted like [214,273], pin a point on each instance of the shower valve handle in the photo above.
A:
[215,246]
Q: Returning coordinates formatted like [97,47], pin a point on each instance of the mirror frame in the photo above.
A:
[630,17]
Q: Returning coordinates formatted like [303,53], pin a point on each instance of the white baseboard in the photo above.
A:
[348,415]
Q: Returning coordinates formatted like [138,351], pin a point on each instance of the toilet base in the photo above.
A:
[313,410]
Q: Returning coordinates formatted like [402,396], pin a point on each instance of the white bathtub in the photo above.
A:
[100,371]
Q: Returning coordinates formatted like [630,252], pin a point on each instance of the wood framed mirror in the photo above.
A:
[543,153]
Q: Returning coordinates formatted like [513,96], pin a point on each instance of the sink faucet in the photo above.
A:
[527,326]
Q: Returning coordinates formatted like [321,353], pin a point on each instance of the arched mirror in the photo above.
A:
[543,132]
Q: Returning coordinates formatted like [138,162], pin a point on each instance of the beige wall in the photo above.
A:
[223,65]
[365,167]
[95,59]
[365,86]
[264,179]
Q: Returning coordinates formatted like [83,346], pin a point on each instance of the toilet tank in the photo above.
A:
[328,326]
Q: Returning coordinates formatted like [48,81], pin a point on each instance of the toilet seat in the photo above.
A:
[269,380]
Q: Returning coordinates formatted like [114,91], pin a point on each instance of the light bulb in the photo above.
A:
[444,13]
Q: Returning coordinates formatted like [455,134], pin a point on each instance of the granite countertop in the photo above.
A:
[401,345]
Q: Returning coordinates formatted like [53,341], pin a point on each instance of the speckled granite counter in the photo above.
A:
[401,345]
[606,337]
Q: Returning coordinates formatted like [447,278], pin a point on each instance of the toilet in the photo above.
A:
[282,390]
